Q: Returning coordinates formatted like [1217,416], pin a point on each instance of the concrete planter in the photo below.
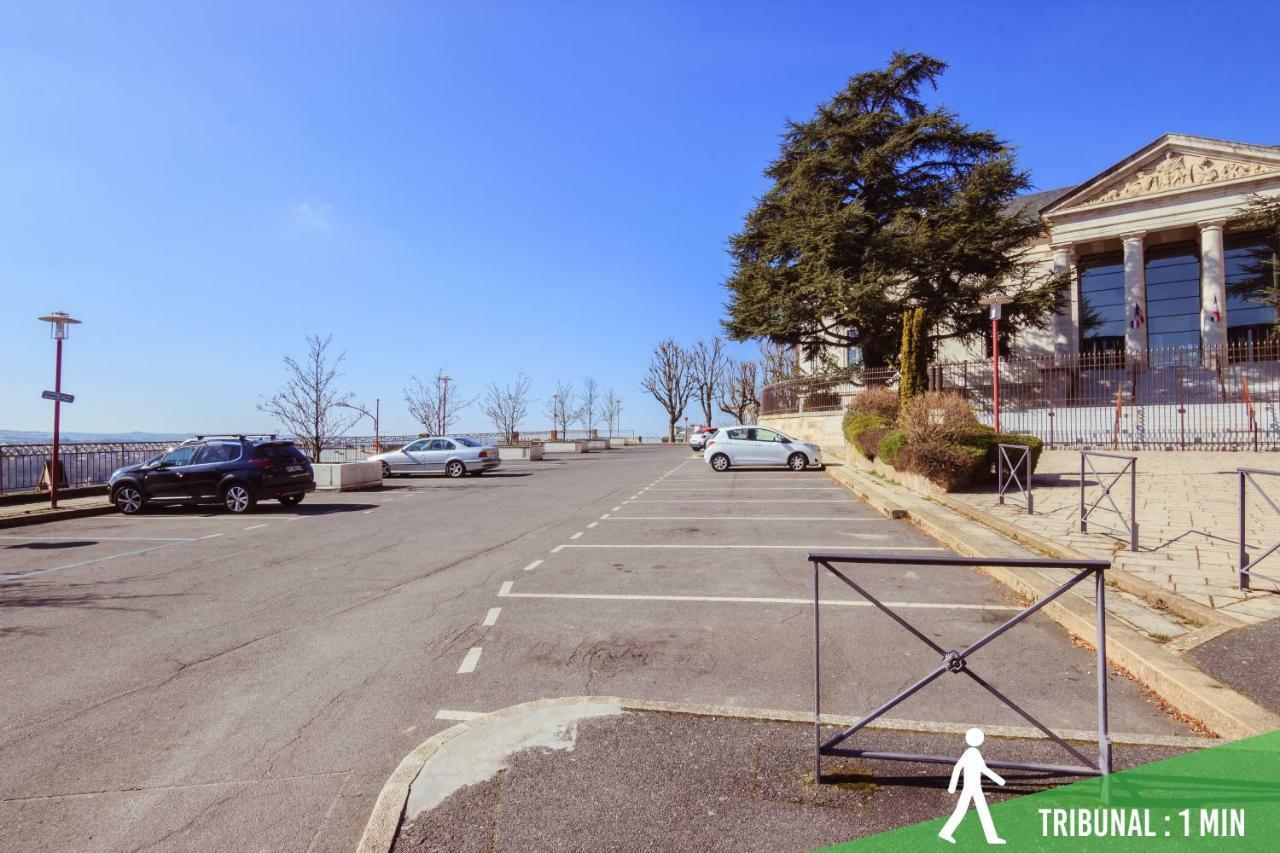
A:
[532,452]
[565,447]
[597,443]
[347,476]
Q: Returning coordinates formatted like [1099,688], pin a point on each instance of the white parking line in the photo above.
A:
[506,587]
[211,536]
[533,565]
[491,618]
[738,599]
[446,714]
[766,547]
[254,526]
[56,538]
[577,535]
[615,509]
[470,662]
[76,565]
[838,519]
[592,524]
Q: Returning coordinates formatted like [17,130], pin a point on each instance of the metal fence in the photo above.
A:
[1014,485]
[826,393]
[82,463]
[1185,397]
[1090,512]
[1249,476]
[956,662]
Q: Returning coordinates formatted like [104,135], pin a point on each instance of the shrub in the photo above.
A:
[986,439]
[876,400]
[888,448]
[948,465]
[869,441]
[936,417]
[857,424]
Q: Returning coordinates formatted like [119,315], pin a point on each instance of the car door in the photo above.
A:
[167,478]
[734,442]
[440,452]
[768,447]
[206,470]
[414,458]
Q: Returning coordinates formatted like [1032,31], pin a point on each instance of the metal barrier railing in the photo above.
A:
[1246,572]
[957,662]
[1129,524]
[1007,475]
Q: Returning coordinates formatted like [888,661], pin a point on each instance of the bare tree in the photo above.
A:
[670,381]
[587,413]
[435,405]
[738,396]
[777,360]
[612,410]
[308,405]
[506,407]
[560,407]
[707,362]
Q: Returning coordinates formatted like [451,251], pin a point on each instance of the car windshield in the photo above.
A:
[465,441]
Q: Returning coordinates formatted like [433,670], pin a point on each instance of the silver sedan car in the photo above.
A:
[453,456]
[752,445]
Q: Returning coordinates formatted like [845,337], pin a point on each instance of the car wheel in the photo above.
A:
[291,500]
[129,500]
[455,469]
[797,462]
[237,498]
[386,471]
[720,463]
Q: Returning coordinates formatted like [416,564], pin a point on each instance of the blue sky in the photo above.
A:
[485,187]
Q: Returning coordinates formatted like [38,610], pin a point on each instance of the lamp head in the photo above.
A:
[59,321]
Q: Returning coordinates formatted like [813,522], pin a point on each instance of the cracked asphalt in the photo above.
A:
[190,680]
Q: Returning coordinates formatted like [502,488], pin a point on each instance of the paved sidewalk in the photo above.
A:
[20,514]
[1187,520]
[645,780]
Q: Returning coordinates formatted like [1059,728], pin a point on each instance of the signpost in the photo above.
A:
[60,323]
[59,396]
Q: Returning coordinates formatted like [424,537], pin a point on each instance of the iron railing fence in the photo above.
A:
[824,393]
[1013,475]
[1106,481]
[957,662]
[82,463]
[357,448]
[1225,397]
[1247,560]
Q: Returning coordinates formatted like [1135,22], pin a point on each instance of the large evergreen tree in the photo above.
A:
[880,202]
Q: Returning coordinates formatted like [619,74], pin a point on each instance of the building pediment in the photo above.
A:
[1171,165]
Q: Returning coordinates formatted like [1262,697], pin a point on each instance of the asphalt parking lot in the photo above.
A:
[189,679]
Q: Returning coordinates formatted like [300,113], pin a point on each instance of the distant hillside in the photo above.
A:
[19,436]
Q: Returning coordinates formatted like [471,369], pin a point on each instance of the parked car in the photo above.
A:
[755,445]
[451,455]
[698,438]
[236,471]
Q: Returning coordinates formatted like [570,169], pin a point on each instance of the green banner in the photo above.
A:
[1222,798]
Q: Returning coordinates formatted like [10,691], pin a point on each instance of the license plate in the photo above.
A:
[294,469]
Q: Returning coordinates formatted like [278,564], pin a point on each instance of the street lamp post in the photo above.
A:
[60,323]
[555,413]
[994,301]
[443,414]
[377,408]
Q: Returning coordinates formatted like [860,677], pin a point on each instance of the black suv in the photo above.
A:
[234,470]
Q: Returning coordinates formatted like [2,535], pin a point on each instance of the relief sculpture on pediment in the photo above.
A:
[1176,171]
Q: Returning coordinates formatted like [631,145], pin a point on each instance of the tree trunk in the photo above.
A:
[671,430]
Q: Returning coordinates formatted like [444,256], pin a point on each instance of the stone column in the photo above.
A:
[1213,286]
[1066,325]
[1135,297]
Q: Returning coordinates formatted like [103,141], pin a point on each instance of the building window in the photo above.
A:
[1102,313]
[1253,287]
[1173,296]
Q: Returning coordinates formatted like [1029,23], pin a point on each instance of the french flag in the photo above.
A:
[1215,314]
[1138,319]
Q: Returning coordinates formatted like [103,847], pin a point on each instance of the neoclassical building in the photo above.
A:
[1153,244]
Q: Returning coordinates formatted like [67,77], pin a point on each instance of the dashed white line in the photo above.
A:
[615,509]
[592,524]
[557,549]
[577,535]
[533,565]
[506,587]
[254,526]
[470,662]
[491,618]
[211,536]
[447,714]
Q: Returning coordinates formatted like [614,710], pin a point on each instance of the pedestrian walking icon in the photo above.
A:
[971,768]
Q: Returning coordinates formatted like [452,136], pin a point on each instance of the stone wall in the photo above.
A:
[824,429]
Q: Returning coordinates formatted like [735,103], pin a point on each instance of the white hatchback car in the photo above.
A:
[754,445]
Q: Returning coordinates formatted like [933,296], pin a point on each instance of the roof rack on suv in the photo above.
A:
[242,435]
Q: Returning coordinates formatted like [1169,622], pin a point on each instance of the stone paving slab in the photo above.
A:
[1187,513]
[21,514]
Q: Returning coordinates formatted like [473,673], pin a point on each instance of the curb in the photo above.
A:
[1187,688]
[388,811]
[42,516]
